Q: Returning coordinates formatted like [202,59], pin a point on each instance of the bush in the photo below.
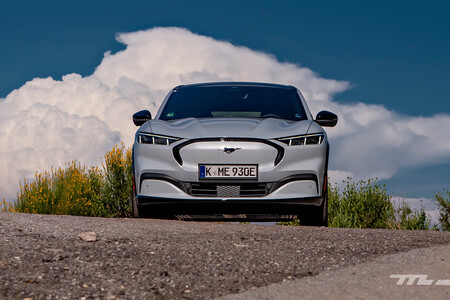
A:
[117,183]
[76,190]
[361,205]
[6,207]
[366,204]
[442,200]
[65,191]
[406,218]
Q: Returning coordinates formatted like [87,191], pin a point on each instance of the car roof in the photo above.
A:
[236,84]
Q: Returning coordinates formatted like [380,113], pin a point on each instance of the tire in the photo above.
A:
[316,215]
[143,212]
[134,206]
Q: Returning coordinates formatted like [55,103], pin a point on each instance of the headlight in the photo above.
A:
[155,139]
[307,139]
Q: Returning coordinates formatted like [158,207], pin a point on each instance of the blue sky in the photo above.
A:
[394,53]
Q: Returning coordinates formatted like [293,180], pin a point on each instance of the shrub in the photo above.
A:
[366,204]
[406,218]
[62,191]
[6,207]
[117,183]
[442,200]
[76,190]
[361,205]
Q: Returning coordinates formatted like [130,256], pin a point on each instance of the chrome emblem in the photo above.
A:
[229,150]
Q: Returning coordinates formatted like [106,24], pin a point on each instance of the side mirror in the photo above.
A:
[141,117]
[326,118]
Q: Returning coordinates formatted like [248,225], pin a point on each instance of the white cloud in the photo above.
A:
[47,122]
[374,142]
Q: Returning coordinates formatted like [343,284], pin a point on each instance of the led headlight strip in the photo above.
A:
[155,139]
[306,139]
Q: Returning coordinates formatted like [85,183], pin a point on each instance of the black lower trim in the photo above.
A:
[144,200]
[293,206]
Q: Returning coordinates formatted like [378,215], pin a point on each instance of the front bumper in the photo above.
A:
[160,186]
[162,194]
[171,172]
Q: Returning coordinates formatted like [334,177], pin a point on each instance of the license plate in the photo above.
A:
[228,171]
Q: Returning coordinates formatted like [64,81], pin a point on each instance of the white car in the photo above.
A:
[234,149]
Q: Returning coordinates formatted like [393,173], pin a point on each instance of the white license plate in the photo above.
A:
[228,171]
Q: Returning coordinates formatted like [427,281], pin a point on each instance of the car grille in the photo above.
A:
[228,190]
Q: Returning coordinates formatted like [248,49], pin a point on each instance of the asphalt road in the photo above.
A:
[422,273]
[42,257]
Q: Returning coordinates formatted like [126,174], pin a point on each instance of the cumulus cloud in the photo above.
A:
[47,122]
[373,142]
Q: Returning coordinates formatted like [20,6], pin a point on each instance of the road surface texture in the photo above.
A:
[43,257]
[378,279]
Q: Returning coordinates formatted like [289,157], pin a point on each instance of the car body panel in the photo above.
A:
[230,127]
[294,189]
[167,174]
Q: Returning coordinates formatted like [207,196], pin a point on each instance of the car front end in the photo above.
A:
[240,166]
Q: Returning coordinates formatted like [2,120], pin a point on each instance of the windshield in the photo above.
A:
[234,102]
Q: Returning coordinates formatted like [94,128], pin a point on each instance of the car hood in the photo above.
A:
[230,127]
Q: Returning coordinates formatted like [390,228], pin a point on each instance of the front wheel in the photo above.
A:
[134,206]
[316,215]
